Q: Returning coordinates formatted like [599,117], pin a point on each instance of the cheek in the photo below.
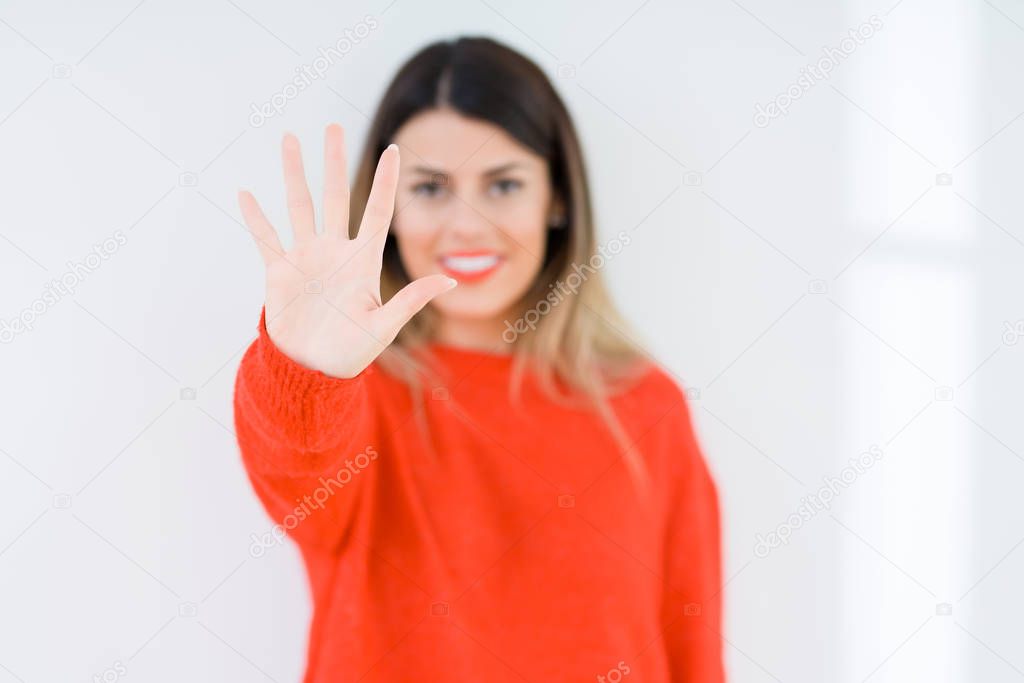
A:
[416,236]
[526,232]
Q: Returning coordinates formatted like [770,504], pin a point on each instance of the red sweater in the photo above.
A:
[517,549]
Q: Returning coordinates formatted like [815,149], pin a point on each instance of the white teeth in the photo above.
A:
[469,264]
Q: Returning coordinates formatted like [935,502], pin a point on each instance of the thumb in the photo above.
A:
[410,300]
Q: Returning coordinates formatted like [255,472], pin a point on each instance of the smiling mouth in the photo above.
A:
[470,266]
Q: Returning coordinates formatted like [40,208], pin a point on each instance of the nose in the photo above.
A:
[466,221]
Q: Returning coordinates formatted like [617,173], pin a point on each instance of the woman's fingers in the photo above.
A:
[260,228]
[300,203]
[380,206]
[336,192]
[409,301]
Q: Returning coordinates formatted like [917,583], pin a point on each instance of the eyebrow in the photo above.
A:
[426,170]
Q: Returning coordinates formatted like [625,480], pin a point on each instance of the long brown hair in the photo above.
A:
[581,342]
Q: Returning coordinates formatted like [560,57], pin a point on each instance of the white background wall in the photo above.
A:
[810,278]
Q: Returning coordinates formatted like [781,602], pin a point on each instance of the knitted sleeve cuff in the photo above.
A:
[309,415]
[293,377]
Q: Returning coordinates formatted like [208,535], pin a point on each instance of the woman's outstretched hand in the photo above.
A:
[323,306]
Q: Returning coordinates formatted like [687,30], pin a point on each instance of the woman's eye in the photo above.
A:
[505,186]
[428,189]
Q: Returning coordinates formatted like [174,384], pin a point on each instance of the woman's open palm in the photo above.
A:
[323,306]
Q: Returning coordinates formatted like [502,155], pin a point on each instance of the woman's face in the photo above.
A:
[474,204]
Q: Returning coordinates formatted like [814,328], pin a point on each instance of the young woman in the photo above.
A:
[486,479]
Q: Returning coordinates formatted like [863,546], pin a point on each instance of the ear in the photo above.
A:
[557,218]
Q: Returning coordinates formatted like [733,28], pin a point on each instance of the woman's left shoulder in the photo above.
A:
[655,396]
[657,411]
[651,384]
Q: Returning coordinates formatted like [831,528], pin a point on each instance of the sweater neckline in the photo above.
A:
[470,354]
[458,361]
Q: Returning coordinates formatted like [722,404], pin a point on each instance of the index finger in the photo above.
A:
[380,206]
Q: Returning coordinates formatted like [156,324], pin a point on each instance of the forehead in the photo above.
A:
[446,140]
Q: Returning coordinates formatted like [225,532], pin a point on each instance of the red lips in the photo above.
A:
[470,265]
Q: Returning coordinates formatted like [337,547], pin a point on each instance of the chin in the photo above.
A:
[492,301]
[471,306]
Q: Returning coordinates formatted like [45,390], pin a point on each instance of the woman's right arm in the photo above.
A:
[301,403]
[298,431]
[301,421]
